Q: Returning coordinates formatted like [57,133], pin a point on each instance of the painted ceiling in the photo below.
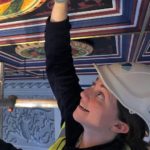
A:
[103,32]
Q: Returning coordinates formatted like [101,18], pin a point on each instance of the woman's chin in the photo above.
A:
[76,116]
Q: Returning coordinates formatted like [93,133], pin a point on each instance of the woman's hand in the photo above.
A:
[59,11]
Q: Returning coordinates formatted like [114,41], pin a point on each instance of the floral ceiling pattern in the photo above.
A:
[102,32]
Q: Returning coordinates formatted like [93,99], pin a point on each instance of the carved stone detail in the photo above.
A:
[26,127]
[29,126]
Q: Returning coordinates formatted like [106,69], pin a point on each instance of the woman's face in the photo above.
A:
[97,108]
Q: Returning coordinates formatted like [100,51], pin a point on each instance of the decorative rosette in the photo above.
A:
[31,51]
[80,49]
[36,50]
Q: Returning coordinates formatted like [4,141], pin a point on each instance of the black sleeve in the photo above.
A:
[7,146]
[59,66]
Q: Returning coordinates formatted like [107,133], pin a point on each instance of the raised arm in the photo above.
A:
[59,11]
[59,63]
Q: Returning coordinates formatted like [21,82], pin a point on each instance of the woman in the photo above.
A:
[94,118]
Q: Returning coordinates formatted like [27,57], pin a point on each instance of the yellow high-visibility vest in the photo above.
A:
[61,141]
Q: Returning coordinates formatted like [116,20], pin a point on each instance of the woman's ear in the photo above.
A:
[120,127]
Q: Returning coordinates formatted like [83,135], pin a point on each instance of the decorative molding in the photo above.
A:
[27,84]
[29,128]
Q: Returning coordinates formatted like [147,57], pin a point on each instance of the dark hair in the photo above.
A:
[137,128]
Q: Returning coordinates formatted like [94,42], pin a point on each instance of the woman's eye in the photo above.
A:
[100,96]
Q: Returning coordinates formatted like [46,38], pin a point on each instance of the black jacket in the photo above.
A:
[7,146]
[65,83]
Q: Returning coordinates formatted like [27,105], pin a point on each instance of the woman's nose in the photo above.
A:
[87,94]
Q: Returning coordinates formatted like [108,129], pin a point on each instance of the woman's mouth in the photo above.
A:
[83,108]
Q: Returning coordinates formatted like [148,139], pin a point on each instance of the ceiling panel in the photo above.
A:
[117,30]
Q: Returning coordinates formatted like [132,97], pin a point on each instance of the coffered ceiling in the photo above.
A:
[103,32]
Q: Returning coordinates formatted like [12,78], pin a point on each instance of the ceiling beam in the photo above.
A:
[143,30]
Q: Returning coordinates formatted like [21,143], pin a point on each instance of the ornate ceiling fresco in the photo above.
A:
[103,31]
